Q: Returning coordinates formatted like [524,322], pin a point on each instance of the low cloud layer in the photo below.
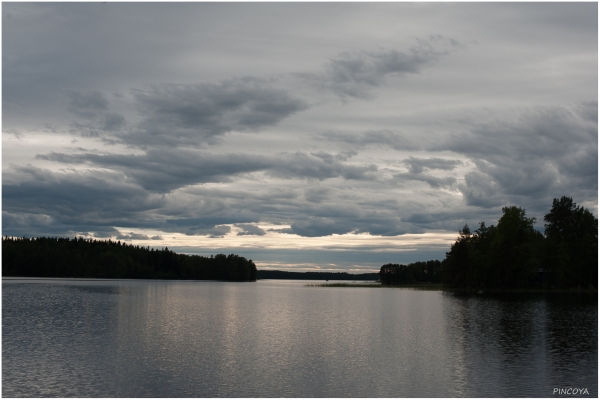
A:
[165,170]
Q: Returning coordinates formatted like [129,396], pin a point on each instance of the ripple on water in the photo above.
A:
[272,339]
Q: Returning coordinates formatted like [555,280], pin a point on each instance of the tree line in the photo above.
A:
[514,255]
[332,276]
[418,272]
[85,258]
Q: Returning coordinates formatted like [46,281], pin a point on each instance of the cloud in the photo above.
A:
[219,135]
[433,181]
[197,226]
[42,202]
[377,138]
[192,114]
[542,153]
[168,169]
[319,226]
[24,224]
[80,200]
[87,104]
[93,107]
[46,203]
[355,74]
[385,223]
[249,229]
[164,188]
[113,122]
[132,236]
[321,166]
[417,165]
[317,194]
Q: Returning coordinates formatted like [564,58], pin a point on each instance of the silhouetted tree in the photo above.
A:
[514,255]
[571,244]
[457,267]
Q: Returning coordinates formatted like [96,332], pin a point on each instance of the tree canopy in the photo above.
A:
[515,255]
[83,258]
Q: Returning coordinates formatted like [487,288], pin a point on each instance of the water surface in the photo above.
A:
[95,338]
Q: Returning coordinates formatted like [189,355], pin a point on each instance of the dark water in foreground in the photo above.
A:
[283,339]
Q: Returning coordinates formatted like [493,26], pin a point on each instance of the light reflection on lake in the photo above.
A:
[93,338]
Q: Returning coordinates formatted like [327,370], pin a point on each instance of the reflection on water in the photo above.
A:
[521,345]
[283,339]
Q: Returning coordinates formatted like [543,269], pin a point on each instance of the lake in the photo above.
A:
[120,338]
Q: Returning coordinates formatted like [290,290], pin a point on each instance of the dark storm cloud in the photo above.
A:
[343,211]
[23,224]
[169,169]
[93,203]
[132,236]
[210,231]
[546,152]
[210,226]
[96,201]
[180,115]
[77,196]
[249,229]
[201,211]
[453,220]
[355,74]
[385,224]
[417,166]
[319,226]
[340,211]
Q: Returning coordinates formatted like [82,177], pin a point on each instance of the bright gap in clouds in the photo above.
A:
[377,248]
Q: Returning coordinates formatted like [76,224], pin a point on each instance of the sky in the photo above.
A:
[303,136]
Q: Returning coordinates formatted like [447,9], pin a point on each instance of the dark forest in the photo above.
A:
[83,258]
[514,255]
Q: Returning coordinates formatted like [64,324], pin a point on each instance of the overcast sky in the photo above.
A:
[338,136]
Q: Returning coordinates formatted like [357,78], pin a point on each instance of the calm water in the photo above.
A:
[283,339]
